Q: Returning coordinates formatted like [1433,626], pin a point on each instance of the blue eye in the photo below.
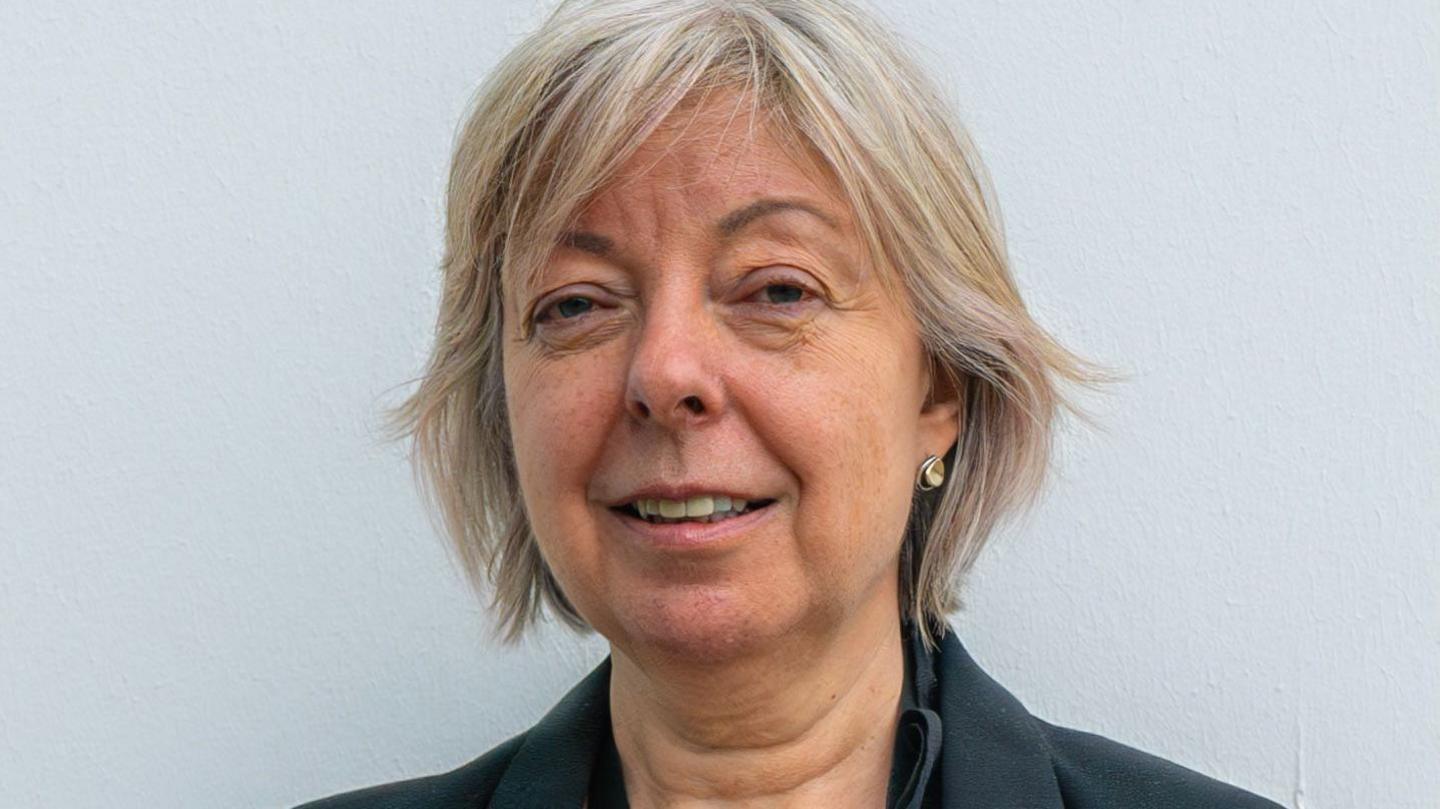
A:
[792,294]
[567,309]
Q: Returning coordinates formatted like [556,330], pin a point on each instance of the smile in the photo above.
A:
[656,530]
[702,509]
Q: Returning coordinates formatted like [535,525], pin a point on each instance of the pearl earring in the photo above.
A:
[932,474]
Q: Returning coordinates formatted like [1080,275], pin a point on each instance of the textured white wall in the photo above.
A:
[218,234]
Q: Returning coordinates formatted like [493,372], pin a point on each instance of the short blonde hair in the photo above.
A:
[564,109]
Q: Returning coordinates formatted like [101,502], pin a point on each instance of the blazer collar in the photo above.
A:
[993,755]
[552,767]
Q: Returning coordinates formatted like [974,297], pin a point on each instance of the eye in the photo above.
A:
[782,292]
[786,292]
[570,307]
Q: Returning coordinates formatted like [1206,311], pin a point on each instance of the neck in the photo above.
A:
[808,722]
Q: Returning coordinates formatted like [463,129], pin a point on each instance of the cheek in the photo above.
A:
[560,414]
[845,433]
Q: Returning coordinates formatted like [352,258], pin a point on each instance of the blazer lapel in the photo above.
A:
[552,767]
[993,757]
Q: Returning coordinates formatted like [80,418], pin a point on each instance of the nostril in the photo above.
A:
[694,403]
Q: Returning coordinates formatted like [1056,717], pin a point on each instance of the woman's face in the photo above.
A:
[711,327]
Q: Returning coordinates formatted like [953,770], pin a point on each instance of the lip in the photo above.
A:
[683,535]
[683,492]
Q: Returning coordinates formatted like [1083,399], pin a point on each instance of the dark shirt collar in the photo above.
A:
[919,735]
[976,746]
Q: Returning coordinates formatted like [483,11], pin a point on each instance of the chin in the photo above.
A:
[700,623]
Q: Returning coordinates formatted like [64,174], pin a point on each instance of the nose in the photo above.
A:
[673,380]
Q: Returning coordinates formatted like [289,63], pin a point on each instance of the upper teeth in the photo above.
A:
[701,506]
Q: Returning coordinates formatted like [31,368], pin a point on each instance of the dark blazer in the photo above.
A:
[994,755]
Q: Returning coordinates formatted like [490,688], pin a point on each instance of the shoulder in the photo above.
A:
[468,785]
[1095,772]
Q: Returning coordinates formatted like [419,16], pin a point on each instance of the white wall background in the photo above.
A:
[218,234]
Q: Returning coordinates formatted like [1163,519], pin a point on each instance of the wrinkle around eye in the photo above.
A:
[579,334]
[784,332]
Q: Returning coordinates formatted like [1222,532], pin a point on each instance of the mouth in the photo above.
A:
[648,512]
[716,531]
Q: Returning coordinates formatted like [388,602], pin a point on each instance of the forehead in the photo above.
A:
[709,156]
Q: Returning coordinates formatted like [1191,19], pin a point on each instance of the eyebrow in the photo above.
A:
[728,226]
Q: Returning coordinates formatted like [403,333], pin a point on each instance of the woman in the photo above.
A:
[731,370]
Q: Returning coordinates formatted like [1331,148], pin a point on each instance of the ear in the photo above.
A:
[940,413]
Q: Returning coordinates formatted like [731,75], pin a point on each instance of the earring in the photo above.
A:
[932,474]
